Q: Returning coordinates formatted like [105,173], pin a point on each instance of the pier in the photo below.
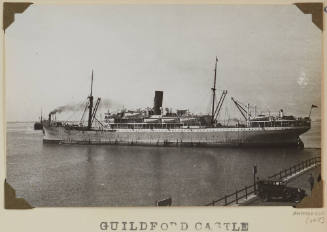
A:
[295,176]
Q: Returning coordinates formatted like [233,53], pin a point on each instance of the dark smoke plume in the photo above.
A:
[104,104]
[69,107]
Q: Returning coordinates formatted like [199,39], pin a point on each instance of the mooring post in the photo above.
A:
[236,197]
[254,174]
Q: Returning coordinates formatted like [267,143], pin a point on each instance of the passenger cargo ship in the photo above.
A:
[163,127]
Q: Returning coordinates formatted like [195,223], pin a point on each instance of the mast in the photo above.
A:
[214,94]
[89,123]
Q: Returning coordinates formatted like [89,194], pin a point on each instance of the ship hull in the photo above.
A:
[234,137]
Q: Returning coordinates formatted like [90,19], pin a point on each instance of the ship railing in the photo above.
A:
[279,123]
[250,191]
[149,125]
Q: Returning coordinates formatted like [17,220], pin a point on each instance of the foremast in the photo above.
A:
[214,94]
[89,122]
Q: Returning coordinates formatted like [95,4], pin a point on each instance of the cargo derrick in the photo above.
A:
[243,111]
[215,110]
[219,105]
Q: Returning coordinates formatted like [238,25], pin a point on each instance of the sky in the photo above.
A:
[269,56]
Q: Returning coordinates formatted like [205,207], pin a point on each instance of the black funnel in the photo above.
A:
[157,102]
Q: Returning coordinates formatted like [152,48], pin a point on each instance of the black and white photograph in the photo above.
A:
[146,105]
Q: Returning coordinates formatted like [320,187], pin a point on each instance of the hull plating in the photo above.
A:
[269,136]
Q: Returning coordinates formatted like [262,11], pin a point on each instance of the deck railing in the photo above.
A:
[244,193]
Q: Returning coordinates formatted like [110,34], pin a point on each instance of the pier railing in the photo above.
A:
[296,168]
[235,197]
[245,192]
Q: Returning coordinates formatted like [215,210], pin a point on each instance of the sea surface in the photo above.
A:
[89,175]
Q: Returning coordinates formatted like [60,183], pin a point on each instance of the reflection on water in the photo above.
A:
[81,175]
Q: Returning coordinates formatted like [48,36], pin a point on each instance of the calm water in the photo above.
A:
[82,175]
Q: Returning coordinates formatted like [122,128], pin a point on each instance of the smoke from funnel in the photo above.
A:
[104,104]
[69,107]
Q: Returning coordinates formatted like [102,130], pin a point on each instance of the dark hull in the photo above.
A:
[38,126]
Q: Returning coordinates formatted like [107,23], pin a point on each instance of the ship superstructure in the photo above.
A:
[163,126]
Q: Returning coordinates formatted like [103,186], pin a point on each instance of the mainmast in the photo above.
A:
[89,123]
[214,94]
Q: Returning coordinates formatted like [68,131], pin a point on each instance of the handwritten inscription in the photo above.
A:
[312,217]
[312,220]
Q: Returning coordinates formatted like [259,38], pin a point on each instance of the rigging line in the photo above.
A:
[208,108]
[80,104]
[77,111]
[99,122]
[83,115]
[242,104]
[73,116]
[74,112]
[68,118]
